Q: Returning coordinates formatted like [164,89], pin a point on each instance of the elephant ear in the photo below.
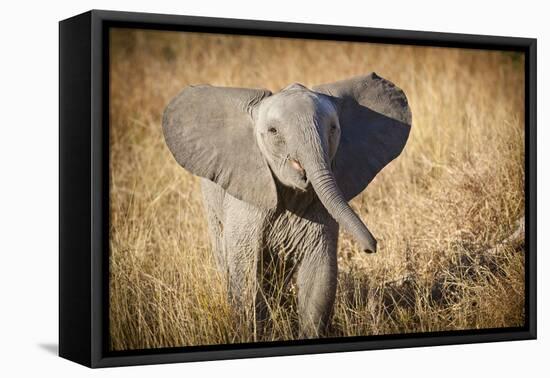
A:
[210,132]
[375,121]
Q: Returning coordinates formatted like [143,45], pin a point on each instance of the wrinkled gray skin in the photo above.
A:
[278,170]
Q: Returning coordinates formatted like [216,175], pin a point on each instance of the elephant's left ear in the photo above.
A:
[375,121]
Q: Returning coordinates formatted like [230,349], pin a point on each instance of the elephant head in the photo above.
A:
[333,138]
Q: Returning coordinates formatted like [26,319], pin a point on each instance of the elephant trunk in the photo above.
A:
[331,197]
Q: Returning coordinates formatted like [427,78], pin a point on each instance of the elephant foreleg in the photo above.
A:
[213,196]
[243,244]
[242,281]
[316,281]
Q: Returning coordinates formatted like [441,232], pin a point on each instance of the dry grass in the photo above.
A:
[454,193]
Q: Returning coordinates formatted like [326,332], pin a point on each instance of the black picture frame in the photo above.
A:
[84,186]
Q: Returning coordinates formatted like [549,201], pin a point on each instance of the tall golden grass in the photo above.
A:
[455,192]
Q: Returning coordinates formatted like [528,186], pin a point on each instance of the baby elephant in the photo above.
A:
[277,171]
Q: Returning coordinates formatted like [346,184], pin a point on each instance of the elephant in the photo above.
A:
[277,171]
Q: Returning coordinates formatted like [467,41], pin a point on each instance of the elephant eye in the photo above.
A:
[272,130]
[333,128]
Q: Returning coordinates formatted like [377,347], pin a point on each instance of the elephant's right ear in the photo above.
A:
[210,132]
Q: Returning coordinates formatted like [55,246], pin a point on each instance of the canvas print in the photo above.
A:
[279,189]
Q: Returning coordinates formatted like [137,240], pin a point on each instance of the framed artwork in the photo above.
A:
[234,188]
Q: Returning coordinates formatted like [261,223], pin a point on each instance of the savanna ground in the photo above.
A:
[446,212]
